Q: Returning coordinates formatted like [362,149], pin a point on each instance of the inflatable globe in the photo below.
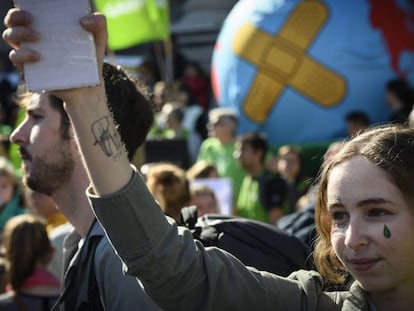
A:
[294,69]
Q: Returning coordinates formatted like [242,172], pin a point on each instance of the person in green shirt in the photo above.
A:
[219,147]
[262,193]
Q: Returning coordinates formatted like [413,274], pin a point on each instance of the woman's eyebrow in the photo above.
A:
[373,201]
[336,202]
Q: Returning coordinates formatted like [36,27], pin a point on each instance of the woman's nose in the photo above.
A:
[355,235]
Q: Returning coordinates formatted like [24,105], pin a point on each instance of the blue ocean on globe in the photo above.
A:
[293,69]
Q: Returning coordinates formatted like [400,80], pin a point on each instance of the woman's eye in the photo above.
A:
[377,212]
[340,219]
[339,215]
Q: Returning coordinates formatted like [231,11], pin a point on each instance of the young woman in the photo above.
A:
[364,217]
[289,167]
[28,251]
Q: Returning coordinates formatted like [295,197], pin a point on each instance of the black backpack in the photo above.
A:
[301,224]
[254,243]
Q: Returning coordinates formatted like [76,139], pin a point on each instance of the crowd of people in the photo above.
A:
[68,221]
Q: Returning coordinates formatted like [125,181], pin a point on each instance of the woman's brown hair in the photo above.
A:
[170,187]
[26,244]
[390,148]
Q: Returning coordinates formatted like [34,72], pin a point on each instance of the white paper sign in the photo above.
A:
[67,50]
[223,190]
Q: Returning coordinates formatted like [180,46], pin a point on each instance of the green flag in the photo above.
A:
[132,22]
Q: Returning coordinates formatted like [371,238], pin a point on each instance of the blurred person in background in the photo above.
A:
[219,148]
[262,192]
[28,251]
[204,199]
[44,205]
[289,167]
[197,81]
[195,117]
[11,198]
[170,187]
[400,98]
[202,169]
[57,226]
[172,114]
[356,121]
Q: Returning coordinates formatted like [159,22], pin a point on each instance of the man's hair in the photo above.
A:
[256,141]
[129,103]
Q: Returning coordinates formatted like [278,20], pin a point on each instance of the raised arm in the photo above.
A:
[86,107]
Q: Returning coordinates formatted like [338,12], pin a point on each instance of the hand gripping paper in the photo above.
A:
[68,58]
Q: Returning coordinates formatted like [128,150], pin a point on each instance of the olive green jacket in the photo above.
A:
[180,274]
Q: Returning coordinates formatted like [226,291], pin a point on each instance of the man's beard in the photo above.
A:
[48,176]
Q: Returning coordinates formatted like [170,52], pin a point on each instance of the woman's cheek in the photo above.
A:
[337,241]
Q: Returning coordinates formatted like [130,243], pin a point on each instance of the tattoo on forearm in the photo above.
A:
[107,137]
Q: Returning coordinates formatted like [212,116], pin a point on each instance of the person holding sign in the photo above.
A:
[93,277]
[364,214]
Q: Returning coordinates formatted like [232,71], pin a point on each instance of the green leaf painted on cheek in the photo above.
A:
[387,232]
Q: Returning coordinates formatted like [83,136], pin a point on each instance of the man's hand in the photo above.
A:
[18,23]
[18,30]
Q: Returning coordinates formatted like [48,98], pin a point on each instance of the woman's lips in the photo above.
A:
[363,264]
